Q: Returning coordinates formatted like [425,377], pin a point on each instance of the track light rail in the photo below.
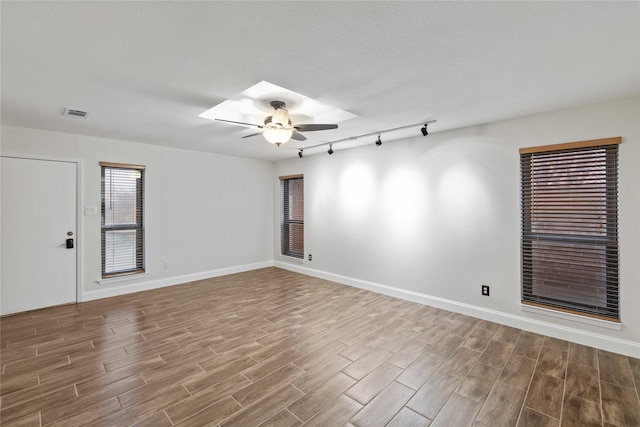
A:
[379,132]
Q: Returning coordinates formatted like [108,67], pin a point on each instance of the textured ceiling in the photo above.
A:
[145,70]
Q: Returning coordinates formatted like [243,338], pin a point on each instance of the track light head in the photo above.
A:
[378,141]
[424,130]
[330,151]
[300,153]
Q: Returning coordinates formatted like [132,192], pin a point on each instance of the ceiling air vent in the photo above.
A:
[75,113]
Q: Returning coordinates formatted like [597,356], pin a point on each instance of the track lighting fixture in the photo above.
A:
[378,141]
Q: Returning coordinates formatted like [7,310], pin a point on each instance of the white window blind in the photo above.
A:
[570,227]
[292,216]
[122,219]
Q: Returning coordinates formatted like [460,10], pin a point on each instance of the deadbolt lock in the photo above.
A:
[69,233]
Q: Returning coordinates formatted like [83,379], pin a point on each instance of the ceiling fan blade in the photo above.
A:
[312,127]
[253,134]
[298,136]
[240,123]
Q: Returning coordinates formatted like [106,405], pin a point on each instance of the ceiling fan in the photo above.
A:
[277,128]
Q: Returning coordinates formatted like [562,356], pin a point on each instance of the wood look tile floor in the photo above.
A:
[275,348]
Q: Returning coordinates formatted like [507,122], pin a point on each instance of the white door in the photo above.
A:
[38,216]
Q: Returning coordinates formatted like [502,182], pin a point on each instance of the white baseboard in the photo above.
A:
[170,281]
[601,341]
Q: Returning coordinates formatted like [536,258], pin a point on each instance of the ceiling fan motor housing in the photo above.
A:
[280,116]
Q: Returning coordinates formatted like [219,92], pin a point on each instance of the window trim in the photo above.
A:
[139,227]
[284,222]
[525,153]
[572,145]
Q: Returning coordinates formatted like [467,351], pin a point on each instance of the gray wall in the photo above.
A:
[431,219]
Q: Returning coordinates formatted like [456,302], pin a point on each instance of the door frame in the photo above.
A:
[79,210]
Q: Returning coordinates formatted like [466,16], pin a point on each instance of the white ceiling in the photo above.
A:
[145,70]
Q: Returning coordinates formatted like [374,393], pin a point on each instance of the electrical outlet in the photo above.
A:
[310,257]
[166,265]
[485,290]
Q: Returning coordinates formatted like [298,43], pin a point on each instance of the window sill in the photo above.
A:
[123,278]
[291,259]
[573,317]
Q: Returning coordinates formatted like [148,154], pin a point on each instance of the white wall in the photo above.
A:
[206,214]
[426,219]
[431,219]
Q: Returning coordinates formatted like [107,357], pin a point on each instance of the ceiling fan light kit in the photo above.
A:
[276,135]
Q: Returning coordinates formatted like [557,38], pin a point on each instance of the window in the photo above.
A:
[292,216]
[122,219]
[570,227]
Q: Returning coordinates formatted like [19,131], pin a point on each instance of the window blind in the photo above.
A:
[569,238]
[292,216]
[122,234]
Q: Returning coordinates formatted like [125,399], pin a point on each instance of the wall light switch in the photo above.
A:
[90,210]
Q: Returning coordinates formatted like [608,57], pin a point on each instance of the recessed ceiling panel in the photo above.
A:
[252,106]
